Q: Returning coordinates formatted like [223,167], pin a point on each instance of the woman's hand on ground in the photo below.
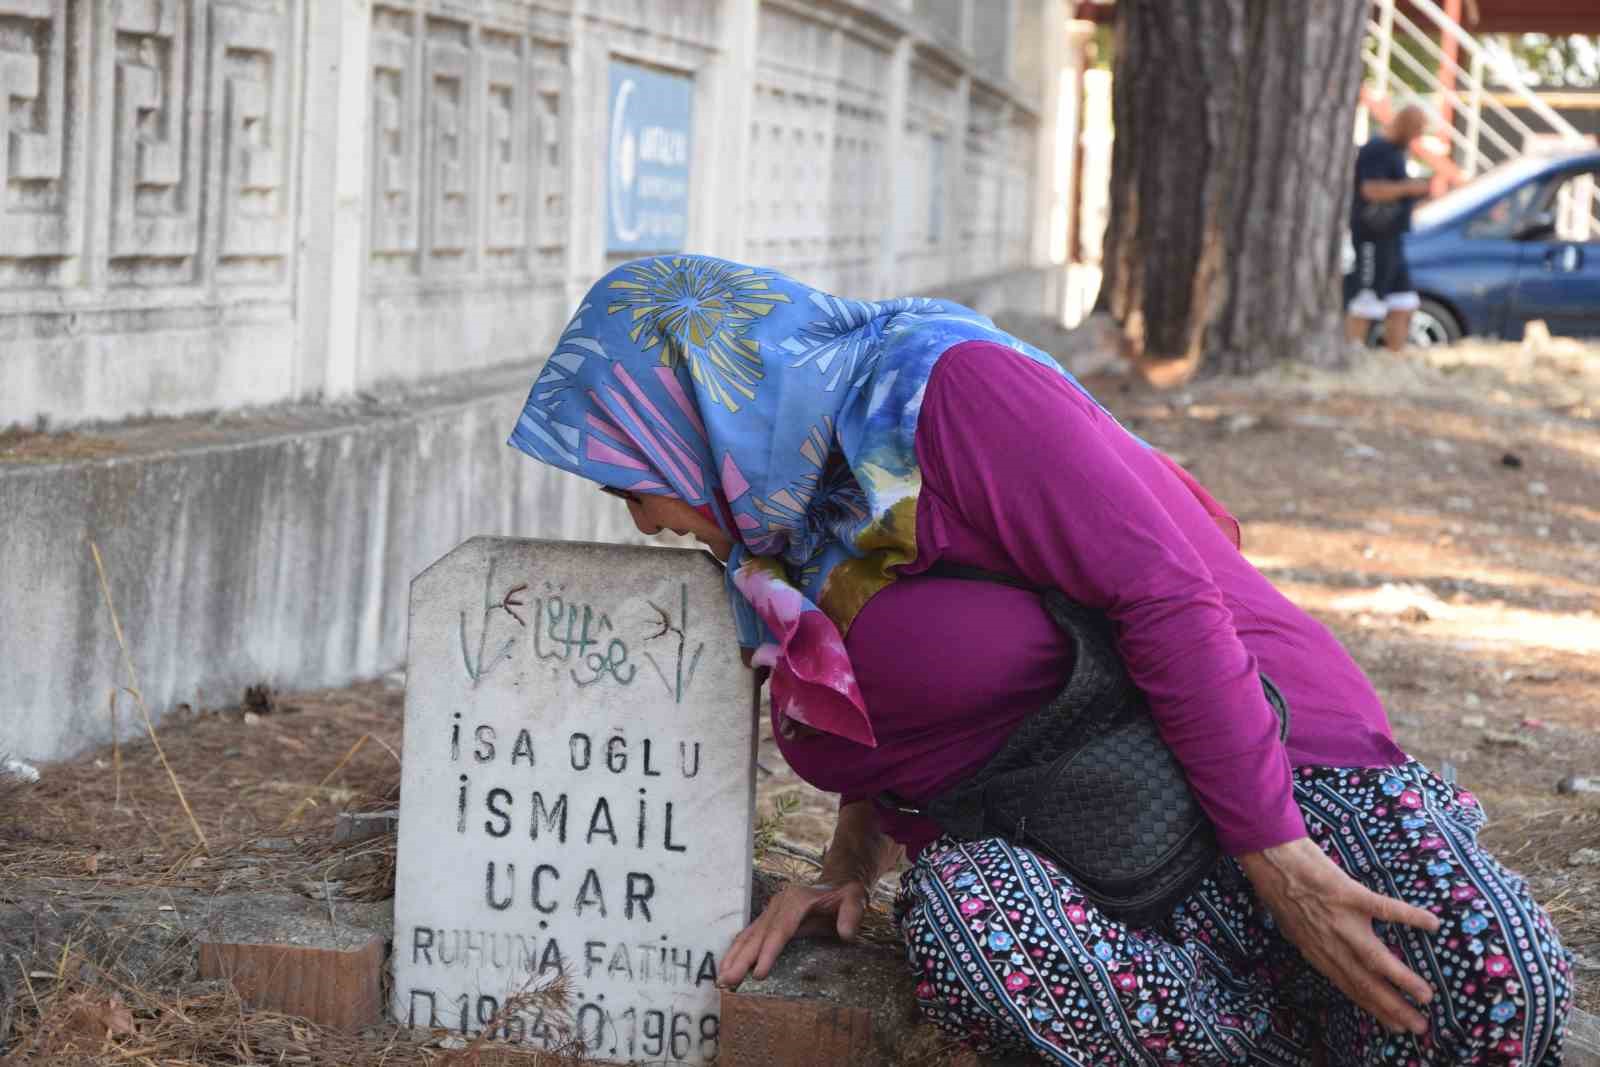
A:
[1328,916]
[797,911]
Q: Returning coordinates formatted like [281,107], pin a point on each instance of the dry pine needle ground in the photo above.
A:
[1391,475]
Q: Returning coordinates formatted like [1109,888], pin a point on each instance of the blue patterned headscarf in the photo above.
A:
[784,413]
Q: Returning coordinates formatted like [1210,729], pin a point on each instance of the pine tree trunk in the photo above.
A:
[1231,180]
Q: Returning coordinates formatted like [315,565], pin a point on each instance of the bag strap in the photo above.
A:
[941,569]
[960,571]
[888,799]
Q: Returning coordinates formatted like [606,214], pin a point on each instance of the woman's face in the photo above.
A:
[652,514]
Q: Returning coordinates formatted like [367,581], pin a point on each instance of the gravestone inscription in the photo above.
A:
[576,799]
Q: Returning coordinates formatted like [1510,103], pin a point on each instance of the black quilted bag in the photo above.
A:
[1088,782]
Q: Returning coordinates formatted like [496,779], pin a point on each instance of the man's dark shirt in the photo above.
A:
[1379,160]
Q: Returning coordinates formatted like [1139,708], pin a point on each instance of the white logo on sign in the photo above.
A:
[623,164]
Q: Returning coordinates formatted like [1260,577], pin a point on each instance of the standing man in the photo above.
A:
[1380,213]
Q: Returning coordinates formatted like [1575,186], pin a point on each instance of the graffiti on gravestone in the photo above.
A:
[576,799]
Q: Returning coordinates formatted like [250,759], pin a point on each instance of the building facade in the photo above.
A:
[213,204]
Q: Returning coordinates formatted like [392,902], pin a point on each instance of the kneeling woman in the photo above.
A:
[833,452]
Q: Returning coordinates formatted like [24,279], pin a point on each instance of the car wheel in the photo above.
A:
[1432,324]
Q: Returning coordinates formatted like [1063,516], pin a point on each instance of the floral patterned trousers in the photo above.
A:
[1012,957]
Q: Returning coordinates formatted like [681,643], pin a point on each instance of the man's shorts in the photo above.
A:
[1380,282]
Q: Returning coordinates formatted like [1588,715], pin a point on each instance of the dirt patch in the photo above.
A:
[1441,514]
[255,782]
[26,446]
[100,857]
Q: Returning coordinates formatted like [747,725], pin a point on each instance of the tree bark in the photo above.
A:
[1231,174]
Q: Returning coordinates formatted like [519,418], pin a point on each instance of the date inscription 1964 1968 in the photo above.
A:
[576,799]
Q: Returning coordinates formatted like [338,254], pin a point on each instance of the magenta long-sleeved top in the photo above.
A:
[1024,474]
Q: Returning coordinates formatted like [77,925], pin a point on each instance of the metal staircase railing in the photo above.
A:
[1443,42]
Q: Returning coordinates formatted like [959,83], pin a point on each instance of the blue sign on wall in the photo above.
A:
[647,202]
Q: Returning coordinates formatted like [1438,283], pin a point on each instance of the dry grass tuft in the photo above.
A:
[1537,835]
[265,784]
[243,780]
[81,831]
[37,446]
[78,1012]
[13,789]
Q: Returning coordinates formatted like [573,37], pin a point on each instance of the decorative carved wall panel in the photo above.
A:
[932,122]
[194,101]
[152,151]
[396,133]
[550,163]
[468,139]
[985,179]
[813,195]
[1020,157]
[991,42]
[155,158]
[944,20]
[450,132]
[251,70]
[39,222]
[693,21]
[507,133]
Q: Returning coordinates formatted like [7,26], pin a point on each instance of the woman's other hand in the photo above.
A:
[1328,916]
[797,911]
[858,855]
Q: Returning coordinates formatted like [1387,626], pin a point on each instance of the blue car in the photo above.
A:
[1520,242]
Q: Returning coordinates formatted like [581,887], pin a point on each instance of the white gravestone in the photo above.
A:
[577,796]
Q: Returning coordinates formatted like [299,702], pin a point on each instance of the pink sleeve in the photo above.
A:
[1036,467]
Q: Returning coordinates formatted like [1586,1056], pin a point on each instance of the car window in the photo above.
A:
[1500,218]
[1574,206]
[1510,176]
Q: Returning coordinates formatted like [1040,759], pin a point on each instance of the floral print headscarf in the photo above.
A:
[785,414]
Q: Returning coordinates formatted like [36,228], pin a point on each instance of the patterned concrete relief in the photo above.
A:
[41,220]
[200,136]
[818,127]
[253,69]
[468,151]
[934,113]
[200,207]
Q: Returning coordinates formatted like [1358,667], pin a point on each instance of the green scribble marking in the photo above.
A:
[683,673]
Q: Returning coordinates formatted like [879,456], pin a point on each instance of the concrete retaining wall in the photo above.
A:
[275,548]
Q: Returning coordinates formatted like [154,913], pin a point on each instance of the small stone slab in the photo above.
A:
[1583,1041]
[335,987]
[855,1000]
[288,955]
[783,1032]
[361,825]
[577,798]
[149,938]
